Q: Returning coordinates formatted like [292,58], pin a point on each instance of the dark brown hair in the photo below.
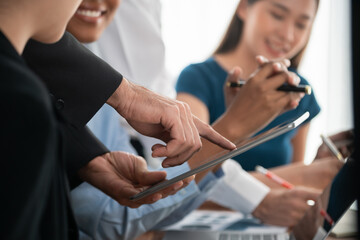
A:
[233,34]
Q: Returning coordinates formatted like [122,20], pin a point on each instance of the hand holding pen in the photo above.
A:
[288,185]
[259,98]
[333,149]
[285,88]
[291,86]
[340,145]
[233,81]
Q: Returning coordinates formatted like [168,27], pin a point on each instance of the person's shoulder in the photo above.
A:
[20,83]
[200,66]
[198,79]
[199,69]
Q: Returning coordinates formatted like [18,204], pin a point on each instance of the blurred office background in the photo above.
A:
[193,28]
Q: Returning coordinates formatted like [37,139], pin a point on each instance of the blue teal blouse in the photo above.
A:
[206,80]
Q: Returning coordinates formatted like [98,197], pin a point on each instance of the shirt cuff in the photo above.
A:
[219,173]
[238,190]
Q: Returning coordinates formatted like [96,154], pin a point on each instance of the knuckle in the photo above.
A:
[196,147]
[199,145]
[182,140]
[182,106]
[186,106]
[174,109]
[192,141]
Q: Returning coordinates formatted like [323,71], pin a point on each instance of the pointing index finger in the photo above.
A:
[207,132]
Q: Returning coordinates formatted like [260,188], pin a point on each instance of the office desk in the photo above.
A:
[349,217]
[348,238]
[348,220]
[157,235]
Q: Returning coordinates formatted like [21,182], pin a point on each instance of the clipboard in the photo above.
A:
[241,147]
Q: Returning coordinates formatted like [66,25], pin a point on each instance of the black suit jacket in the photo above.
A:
[44,140]
[33,179]
[80,83]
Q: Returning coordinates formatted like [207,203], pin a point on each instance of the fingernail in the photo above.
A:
[261,58]
[188,180]
[277,66]
[157,197]
[178,186]
[287,62]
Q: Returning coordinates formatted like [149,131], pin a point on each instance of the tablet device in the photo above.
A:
[241,147]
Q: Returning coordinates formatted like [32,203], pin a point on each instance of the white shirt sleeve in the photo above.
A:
[238,190]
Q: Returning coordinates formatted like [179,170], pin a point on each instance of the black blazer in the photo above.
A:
[44,140]
[80,83]
[33,178]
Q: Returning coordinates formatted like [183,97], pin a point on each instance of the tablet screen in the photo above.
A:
[241,147]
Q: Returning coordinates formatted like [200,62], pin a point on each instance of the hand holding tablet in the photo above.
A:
[243,146]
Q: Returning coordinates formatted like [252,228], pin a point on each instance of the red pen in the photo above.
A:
[327,217]
[274,177]
[288,185]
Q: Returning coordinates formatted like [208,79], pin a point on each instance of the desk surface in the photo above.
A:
[346,222]
[157,235]
[348,238]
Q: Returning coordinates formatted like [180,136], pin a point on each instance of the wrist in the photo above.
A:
[94,166]
[262,209]
[121,98]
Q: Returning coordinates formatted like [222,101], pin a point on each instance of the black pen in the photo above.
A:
[286,88]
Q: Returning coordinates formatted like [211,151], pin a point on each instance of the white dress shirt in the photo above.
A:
[238,190]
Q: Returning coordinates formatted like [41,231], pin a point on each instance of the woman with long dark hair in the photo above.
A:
[275,29]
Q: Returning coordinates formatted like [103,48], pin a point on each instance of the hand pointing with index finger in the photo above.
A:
[168,120]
